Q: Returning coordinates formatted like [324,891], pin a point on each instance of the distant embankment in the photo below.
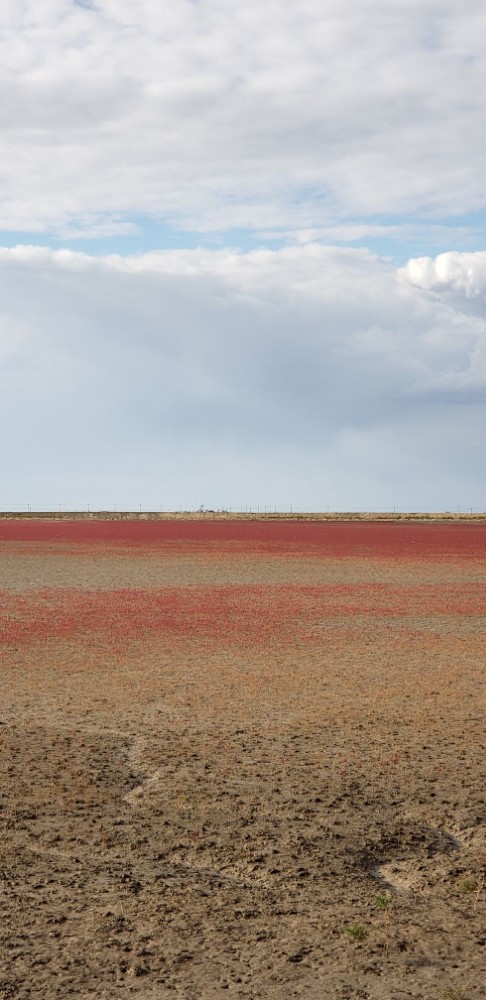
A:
[223,515]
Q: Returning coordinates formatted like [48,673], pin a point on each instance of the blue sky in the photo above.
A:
[243,254]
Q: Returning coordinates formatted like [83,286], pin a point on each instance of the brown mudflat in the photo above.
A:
[243,766]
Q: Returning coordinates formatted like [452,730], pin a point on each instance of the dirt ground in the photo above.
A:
[245,770]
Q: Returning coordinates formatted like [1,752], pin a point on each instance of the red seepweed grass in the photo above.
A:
[350,538]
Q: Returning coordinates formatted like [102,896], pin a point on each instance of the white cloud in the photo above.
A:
[313,375]
[268,116]
[453,272]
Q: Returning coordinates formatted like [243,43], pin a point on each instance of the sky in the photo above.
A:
[242,254]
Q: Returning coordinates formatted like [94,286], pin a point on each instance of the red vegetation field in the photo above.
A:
[379,540]
[245,615]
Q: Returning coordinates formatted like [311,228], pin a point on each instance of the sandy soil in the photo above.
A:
[251,772]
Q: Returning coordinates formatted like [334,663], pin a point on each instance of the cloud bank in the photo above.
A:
[313,376]
[307,118]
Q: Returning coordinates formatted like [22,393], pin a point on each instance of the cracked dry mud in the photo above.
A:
[243,811]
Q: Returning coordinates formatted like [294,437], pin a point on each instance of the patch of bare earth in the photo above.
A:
[215,815]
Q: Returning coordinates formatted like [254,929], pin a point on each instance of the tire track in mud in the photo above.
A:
[134,798]
[402,875]
[134,759]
